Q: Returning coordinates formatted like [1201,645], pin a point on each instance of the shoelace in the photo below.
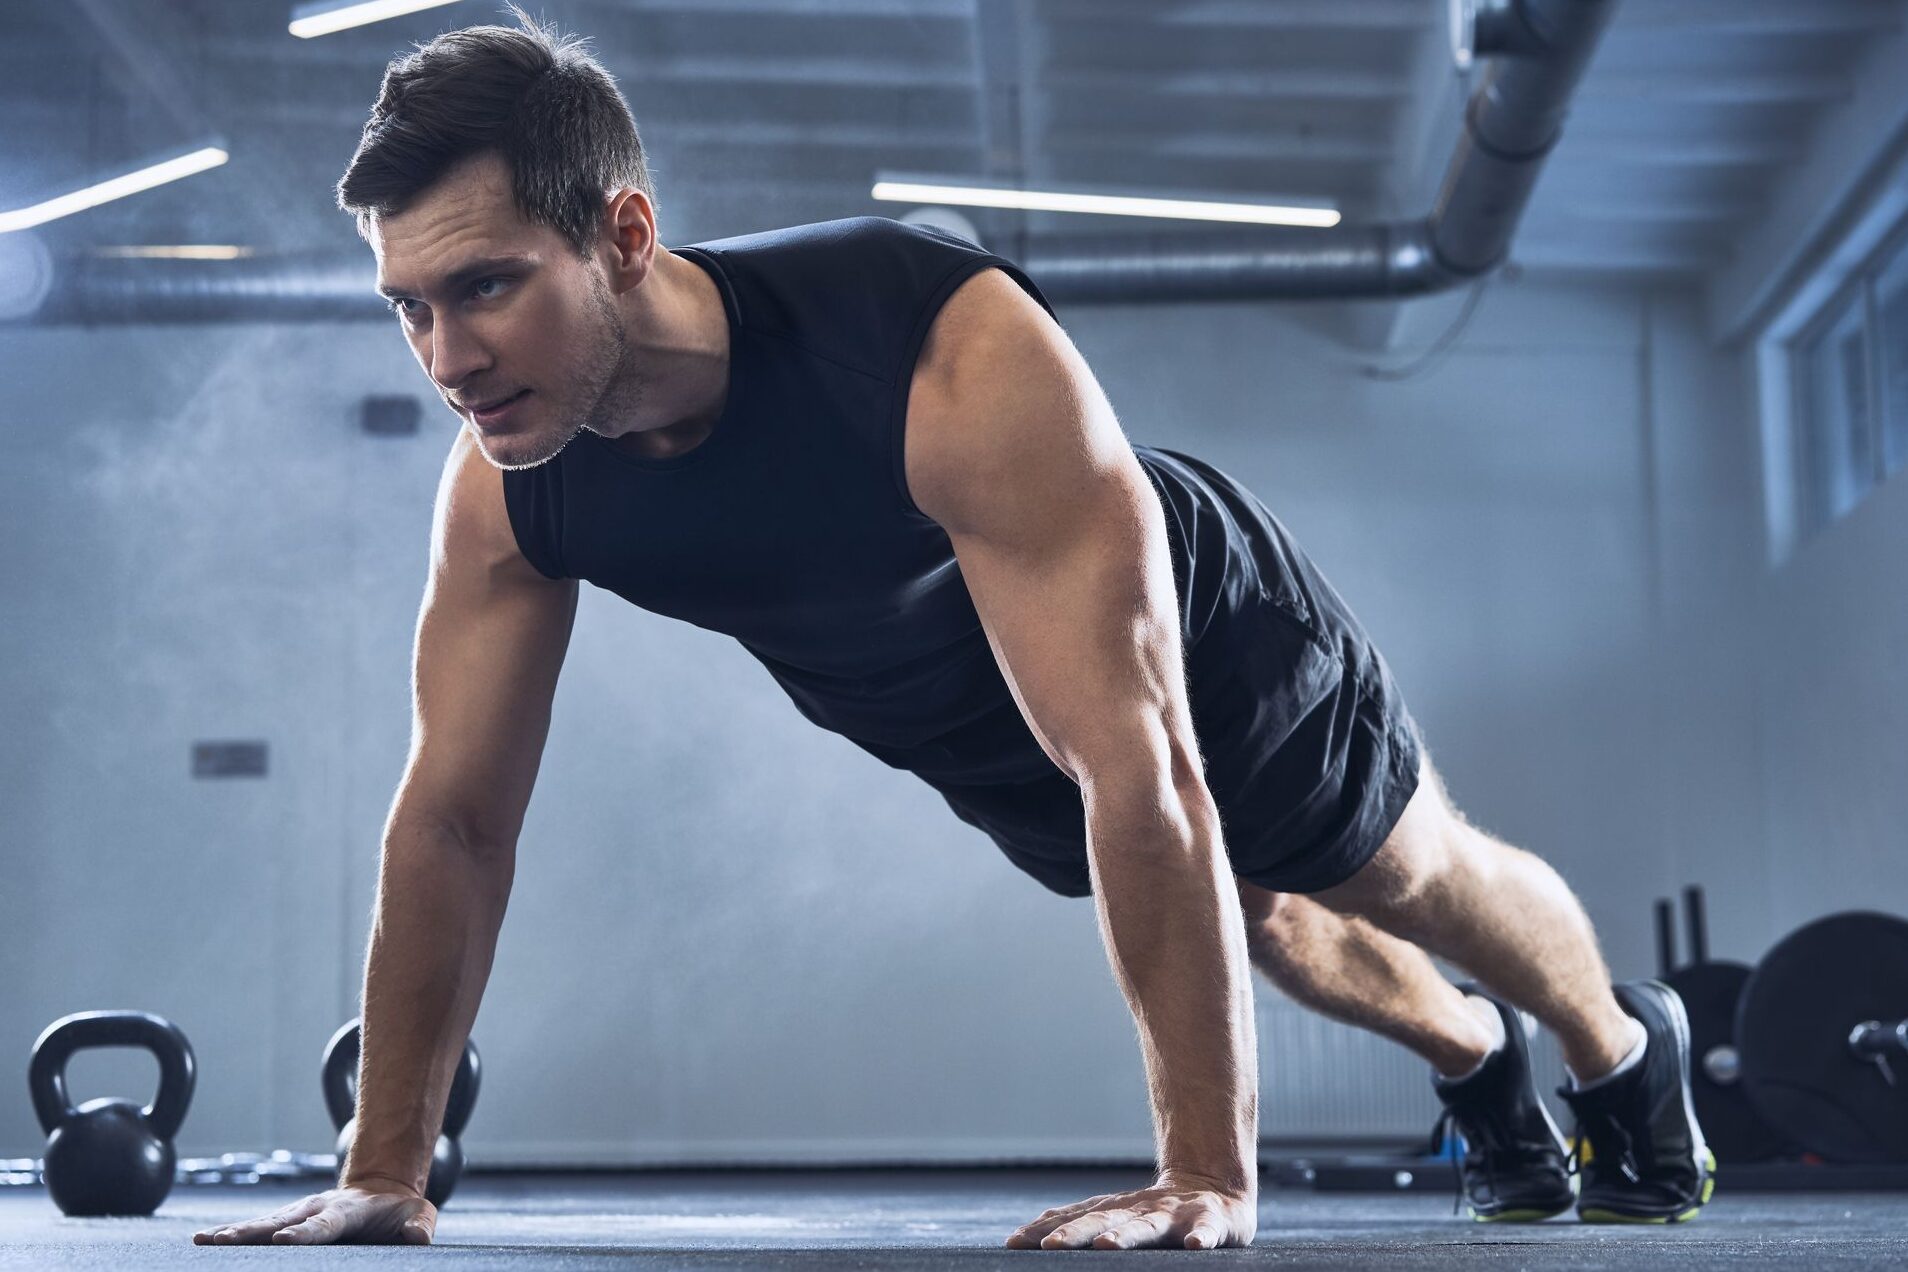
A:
[1439,1130]
[1606,1121]
[1489,1145]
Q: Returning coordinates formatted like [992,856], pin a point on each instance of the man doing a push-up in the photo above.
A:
[870,453]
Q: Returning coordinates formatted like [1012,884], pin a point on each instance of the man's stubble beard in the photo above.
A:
[609,382]
[619,385]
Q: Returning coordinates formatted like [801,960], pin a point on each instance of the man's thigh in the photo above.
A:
[1420,847]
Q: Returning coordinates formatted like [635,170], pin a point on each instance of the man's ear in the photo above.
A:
[629,238]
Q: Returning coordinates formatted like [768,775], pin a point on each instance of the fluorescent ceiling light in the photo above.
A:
[328,15]
[175,252]
[117,188]
[1105,204]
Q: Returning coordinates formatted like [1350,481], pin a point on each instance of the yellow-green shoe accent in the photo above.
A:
[1599,1215]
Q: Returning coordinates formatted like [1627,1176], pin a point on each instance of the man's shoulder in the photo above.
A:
[861,256]
[843,233]
[849,291]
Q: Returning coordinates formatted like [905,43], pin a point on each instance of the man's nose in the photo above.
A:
[456,355]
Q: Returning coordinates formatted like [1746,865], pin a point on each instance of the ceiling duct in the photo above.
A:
[1538,50]
[314,287]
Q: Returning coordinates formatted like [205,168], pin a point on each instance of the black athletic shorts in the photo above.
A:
[1310,753]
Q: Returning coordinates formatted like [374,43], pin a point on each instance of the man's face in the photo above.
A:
[501,314]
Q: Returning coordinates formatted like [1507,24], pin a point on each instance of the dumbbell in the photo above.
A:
[1823,1038]
[110,1156]
[338,1076]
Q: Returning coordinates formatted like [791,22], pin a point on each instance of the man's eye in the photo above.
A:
[482,283]
[399,305]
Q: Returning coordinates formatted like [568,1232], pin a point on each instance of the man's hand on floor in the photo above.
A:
[359,1215]
[1173,1213]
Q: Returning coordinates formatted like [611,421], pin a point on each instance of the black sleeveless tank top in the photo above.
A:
[790,527]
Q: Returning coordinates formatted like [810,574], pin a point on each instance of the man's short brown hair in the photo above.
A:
[533,96]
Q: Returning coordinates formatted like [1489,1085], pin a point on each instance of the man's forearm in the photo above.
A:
[1169,913]
[440,904]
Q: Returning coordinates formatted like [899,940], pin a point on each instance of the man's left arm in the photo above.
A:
[1014,450]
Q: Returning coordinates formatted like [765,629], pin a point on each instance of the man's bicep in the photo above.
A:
[1015,451]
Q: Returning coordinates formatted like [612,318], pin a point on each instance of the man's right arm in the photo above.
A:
[490,641]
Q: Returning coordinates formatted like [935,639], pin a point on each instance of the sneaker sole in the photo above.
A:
[1531,1214]
[1598,1214]
[1525,1215]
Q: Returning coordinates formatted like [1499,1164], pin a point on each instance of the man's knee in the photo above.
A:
[1266,913]
[1418,859]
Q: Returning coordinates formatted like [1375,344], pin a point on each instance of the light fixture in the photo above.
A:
[116,188]
[26,275]
[924,191]
[326,16]
[175,252]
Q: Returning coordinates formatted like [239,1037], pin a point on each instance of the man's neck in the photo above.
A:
[679,336]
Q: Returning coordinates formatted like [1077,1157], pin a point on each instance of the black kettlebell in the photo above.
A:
[108,1156]
[340,1078]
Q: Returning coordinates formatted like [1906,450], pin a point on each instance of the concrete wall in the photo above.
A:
[733,936]
[1833,681]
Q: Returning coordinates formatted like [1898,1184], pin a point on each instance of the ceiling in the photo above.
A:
[771,112]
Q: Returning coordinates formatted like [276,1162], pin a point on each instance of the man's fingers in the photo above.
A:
[259,1229]
[1078,1207]
[1028,1236]
[277,1219]
[1079,1232]
[1204,1235]
[1198,1228]
[419,1226]
[321,1227]
[1143,1231]
[1192,1219]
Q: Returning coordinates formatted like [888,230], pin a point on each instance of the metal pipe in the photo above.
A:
[1538,50]
[1364,260]
[1513,120]
[298,288]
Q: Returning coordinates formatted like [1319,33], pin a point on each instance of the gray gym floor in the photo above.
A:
[920,1219]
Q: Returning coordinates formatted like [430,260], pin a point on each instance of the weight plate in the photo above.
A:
[1710,993]
[1792,1030]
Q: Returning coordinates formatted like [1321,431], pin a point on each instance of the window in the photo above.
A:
[1838,460]
[1891,342]
[1850,377]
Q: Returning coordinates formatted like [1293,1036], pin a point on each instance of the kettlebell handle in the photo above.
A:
[178,1073]
[340,1081]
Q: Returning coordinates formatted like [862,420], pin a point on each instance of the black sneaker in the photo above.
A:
[1646,1160]
[1514,1168]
